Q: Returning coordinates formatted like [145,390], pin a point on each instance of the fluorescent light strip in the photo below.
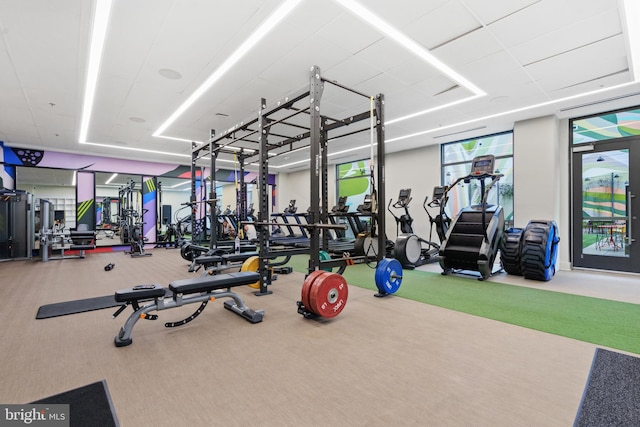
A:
[431,110]
[280,13]
[219,160]
[181,139]
[75,178]
[380,25]
[111,179]
[505,113]
[181,184]
[98,35]
[142,150]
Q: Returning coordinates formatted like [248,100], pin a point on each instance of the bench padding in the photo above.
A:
[208,259]
[242,256]
[212,283]
[131,294]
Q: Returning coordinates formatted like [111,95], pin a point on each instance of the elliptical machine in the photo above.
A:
[441,221]
[411,250]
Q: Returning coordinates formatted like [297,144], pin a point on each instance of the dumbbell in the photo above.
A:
[109,266]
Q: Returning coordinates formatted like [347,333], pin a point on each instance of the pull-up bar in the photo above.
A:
[335,83]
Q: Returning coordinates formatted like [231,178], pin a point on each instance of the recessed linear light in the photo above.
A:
[433,109]
[283,10]
[74,180]
[112,178]
[381,25]
[181,184]
[98,34]
[142,150]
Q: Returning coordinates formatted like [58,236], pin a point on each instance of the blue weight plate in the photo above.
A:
[388,275]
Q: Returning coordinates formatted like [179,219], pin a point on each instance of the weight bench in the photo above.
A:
[219,262]
[181,292]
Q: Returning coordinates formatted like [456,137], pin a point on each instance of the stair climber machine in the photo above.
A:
[411,250]
[474,238]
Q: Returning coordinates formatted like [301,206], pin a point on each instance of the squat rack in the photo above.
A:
[251,139]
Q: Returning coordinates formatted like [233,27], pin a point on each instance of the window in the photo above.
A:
[606,126]
[456,160]
[353,182]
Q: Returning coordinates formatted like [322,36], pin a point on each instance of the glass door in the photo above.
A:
[604,206]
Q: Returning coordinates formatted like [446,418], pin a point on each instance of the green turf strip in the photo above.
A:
[603,322]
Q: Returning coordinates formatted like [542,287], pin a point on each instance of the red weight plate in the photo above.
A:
[306,287]
[328,295]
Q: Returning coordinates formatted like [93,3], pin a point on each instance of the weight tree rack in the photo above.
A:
[250,140]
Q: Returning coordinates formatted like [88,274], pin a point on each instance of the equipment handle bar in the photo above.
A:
[327,226]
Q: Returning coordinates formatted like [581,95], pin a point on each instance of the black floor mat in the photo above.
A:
[612,393]
[89,405]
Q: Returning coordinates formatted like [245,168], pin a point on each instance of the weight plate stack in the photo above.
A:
[328,295]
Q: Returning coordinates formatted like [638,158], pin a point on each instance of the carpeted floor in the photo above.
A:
[612,395]
[381,362]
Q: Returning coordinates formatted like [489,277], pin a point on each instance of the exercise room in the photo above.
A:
[305,213]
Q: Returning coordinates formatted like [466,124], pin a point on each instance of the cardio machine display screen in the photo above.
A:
[438,192]
[404,194]
[482,165]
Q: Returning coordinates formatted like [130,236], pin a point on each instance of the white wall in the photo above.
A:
[540,164]
[564,219]
[416,169]
[536,170]
[175,198]
[297,185]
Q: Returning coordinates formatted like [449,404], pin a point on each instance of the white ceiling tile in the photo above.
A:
[593,85]
[442,25]
[349,32]
[546,16]
[412,71]
[590,30]
[495,73]
[468,48]
[490,11]
[385,54]
[576,66]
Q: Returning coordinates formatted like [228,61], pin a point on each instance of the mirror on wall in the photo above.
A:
[55,185]
[112,201]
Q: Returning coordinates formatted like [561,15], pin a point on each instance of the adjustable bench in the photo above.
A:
[181,292]
[220,262]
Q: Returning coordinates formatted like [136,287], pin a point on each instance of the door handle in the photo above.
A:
[630,220]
